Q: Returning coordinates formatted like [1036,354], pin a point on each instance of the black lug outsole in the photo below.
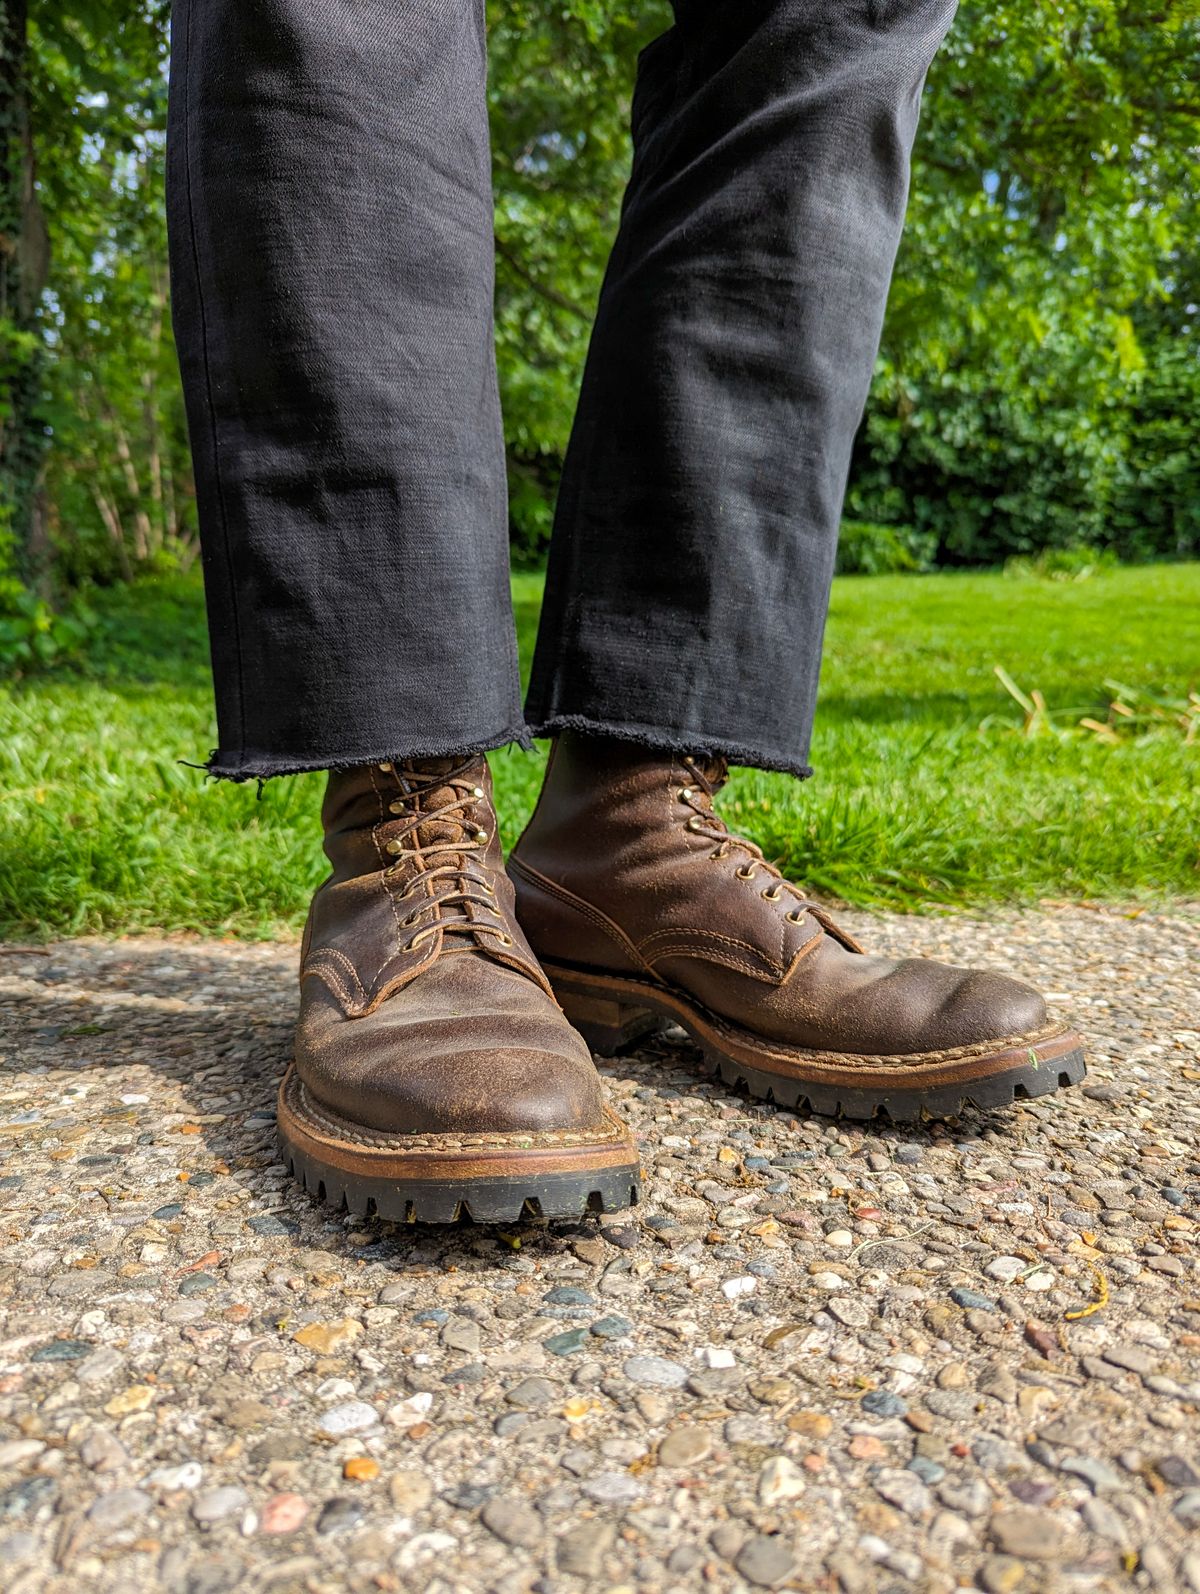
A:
[1006,1089]
[949,1101]
[506,1200]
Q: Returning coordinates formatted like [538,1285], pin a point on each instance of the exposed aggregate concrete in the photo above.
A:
[820,1356]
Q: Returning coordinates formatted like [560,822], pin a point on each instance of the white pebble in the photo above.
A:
[185,1476]
[405,1413]
[423,1548]
[718,1356]
[335,1389]
[1006,1268]
[353,1417]
[780,1479]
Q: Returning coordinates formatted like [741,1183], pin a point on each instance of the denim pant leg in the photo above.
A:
[729,365]
[330,214]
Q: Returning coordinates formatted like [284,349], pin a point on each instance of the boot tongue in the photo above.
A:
[424,791]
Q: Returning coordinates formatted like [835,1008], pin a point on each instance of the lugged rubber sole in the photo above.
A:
[442,1179]
[612,1012]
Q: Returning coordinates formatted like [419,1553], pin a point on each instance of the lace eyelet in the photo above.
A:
[745,873]
[793,917]
[396,807]
[772,894]
[481,836]
[477,791]
[394,846]
[384,768]
[694,822]
[686,795]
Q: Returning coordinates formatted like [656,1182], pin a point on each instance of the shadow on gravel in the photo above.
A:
[202,1033]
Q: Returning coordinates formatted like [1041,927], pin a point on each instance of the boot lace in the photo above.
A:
[706,777]
[440,846]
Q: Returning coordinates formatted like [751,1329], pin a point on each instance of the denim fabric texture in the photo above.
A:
[330,213]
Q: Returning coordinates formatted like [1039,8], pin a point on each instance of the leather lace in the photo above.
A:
[709,775]
[458,849]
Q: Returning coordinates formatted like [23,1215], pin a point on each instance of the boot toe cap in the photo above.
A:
[417,1066]
[985,1006]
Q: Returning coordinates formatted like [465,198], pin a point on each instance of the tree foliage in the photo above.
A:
[1037,384]
[1039,380]
[118,495]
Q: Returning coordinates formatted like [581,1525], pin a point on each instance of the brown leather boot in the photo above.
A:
[643,908]
[434,1071]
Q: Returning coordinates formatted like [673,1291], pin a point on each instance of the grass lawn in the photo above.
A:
[927,792]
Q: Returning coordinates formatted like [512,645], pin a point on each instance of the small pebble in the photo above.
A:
[339,1515]
[283,1513]
[213,1505]
[684,1447]
[354,1416]
[765,1561]
[110,1511]
[656,1371]
[973,1299]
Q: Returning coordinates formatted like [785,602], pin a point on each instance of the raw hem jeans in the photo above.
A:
[331,234]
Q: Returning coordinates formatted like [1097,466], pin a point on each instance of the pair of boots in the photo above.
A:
[449,1009]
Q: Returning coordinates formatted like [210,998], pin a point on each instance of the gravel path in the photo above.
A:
[819,1357]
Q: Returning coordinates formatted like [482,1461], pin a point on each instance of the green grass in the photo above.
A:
[927,791]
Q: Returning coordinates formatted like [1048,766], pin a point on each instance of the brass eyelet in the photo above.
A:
[394,847]
[794,917]
[686,795]
[396,807]
[772,894]
[694,822]
[746,873]
[481,835]
[385,768]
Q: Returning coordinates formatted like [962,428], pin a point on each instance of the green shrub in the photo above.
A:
[866,548]
[34,636]
[530,513]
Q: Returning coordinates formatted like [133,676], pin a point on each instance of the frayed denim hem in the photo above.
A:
[225,766]
[676,742]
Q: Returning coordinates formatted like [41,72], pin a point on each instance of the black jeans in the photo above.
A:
[332,260]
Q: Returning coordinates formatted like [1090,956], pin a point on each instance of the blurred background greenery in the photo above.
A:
[1039,382]
[1034,410]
